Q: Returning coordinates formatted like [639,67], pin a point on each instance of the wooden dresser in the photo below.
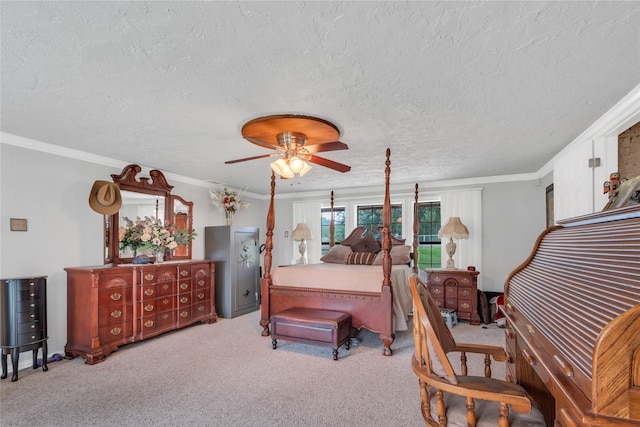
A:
[573,321]
[108,306]
[457,290]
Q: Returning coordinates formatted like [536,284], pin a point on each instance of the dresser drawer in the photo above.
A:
[31,337]
[201,295]
[112,315]
[116,334]
[201,309]
[114,296]
[29,316]
[184,271]
[184,300]
[29,306]
[157,323]
[184,314]
[184,286]
[28,292]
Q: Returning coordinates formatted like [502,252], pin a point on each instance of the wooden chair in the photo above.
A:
[449,399]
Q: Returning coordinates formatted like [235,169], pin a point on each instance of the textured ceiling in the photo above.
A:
[455,89]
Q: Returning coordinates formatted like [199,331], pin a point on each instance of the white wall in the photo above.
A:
[52,193]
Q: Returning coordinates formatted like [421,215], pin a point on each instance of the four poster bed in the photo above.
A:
[376,296]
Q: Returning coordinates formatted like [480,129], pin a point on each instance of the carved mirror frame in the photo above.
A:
[155,185]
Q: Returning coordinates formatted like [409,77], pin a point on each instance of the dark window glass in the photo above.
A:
[371,217]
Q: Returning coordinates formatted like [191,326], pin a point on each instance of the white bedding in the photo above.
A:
[363,278]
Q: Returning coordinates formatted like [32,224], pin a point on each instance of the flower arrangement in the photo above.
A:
[230,201]
[149,233]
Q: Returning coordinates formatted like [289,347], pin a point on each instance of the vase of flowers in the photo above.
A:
[150,233]
[229,201]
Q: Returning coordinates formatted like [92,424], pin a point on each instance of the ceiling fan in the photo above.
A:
[295,138]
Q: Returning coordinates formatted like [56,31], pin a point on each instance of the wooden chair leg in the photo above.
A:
[425,405]
[503,420]
[442,411]
[471,412]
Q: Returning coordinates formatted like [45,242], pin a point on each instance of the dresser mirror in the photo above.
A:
[144,196]
[182,214]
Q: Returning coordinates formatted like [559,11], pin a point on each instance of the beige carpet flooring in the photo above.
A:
[226,374]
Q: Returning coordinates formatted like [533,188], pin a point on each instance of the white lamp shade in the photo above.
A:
[454,228]
[296,164]
[301,232]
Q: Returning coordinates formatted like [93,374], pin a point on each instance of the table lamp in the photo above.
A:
[454,228]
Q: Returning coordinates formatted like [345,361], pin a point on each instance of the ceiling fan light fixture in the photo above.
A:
[305,169]
[296,164]
[281,168]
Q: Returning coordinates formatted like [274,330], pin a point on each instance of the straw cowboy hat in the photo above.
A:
[105,197]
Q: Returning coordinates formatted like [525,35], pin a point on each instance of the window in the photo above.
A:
[429,244]
[371,217]
[325,221]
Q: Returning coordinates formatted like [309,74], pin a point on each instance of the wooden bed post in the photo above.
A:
[416,230]
[332,225]
[387,336]
[266,277]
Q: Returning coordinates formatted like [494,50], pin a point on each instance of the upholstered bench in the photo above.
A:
[312,326]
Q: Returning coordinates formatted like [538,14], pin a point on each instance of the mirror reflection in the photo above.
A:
[138,205]
[181,220]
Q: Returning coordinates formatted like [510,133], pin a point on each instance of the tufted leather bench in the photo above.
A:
[312,326]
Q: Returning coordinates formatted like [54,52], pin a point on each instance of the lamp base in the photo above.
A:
[303,249]
[451,250]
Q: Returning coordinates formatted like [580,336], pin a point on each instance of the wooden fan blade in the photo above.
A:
[329,164]
[251,158]
[326,146]
[262,143]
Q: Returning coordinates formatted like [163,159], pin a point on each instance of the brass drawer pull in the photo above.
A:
[148,276]
[165,301]
[184,273]
[116,313]
[184,286]
[184,313]
[148,292]
[116,296]
[148,323]
[148,307]
[165,286]
[436,291]
[465,305]
[201,282]
[465,293]
[165,316]
[201,308]
[184,300]
[201,295]
[116,331]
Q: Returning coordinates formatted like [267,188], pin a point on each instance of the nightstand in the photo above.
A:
[456,290]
